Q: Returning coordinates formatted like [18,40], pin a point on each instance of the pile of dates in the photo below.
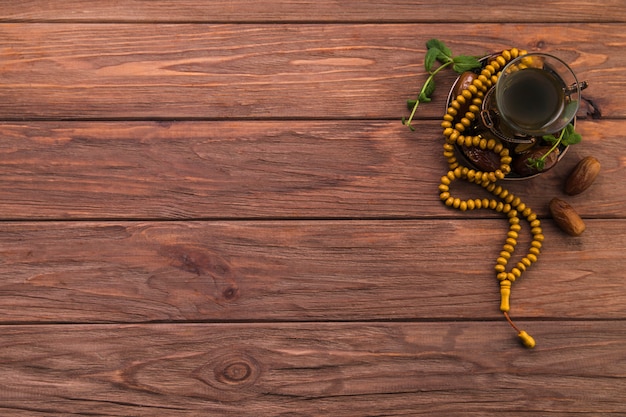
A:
[486,160]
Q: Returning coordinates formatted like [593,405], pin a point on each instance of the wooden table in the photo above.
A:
[212,208]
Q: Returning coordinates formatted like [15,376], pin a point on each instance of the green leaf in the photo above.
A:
[538,163]
[411,103]
[572,139]
[431,57]
[437,44]
[464,63]
[550,139]
[429,88]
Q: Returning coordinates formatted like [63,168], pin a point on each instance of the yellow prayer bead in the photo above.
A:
[527,339]
[505,292]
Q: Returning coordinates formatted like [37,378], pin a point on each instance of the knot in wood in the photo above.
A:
[236,373]
[229,371]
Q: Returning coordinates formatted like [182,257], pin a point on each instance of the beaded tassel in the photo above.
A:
[454,124]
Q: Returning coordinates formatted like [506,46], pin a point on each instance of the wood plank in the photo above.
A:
[121,71]
[531,11]
[78,272]
[365,369]
[326,169]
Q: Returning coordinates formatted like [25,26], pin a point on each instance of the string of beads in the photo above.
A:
[455,123]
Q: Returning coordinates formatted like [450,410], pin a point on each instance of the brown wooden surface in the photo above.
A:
[212,208]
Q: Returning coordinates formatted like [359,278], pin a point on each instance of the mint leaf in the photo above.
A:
[464,63]
[427,90]
[538,163]
[437,44]
[550,139]
[572,139]
[431,57]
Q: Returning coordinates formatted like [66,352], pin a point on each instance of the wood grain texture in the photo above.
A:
[122,71]
[299,271]
[212,209]
[307,11]
[312,369]
[226,170]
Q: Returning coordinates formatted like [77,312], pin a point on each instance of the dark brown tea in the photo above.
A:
[532,98]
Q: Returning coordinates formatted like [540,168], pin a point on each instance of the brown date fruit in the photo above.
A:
[520,163]
[566,217]
[465,80]
[582,176]
[483,159]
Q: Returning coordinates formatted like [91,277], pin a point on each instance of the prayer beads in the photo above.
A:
[454,126]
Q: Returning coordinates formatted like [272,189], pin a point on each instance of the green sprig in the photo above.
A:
[567,137]
[437,51]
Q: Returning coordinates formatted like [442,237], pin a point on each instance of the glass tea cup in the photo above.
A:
[536,94]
